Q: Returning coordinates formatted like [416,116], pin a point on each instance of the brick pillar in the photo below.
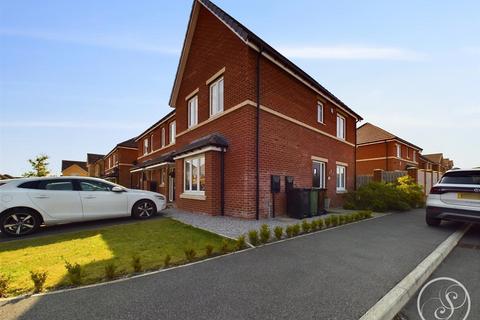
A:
[377,175]
[413,173]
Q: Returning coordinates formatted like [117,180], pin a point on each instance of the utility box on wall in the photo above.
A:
[275,184]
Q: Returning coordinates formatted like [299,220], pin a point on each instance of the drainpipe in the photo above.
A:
[355,160]
[386,155]
[257,139]
[222,182]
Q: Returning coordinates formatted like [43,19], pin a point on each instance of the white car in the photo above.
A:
[455,197]
[27,203]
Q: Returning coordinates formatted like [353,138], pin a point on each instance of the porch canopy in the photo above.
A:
[215,141]
[164,159]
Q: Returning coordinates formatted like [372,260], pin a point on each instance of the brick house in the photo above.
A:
[95,165]
[243,112]
[74,168]
[380,149]
[155,167]
[119,161]
[438,162]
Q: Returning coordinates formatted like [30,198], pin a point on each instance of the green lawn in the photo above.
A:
[93,249]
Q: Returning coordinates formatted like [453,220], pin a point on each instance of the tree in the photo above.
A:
[40,167]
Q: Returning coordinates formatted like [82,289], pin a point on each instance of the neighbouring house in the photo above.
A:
[380,149]
[95,165]
[244,113]
[155,168]
[74,168]
[438,162]
[118,162]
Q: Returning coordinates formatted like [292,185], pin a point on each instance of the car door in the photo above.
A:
[99,201]
[58,199]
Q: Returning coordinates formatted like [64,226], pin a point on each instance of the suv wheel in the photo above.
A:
[433,222]
[19,222]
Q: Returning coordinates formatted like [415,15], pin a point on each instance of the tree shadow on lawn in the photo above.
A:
[95,249]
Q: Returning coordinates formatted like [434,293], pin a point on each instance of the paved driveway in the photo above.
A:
[337,274]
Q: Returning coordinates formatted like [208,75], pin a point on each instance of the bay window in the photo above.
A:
[194,174]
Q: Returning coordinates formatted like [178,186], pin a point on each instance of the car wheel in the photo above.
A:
[144,209]
[433,222]
[19,222]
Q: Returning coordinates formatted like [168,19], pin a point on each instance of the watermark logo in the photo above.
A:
[443,299]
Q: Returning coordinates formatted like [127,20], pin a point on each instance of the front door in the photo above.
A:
[99,201]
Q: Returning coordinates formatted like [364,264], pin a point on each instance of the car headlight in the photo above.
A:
[161,197]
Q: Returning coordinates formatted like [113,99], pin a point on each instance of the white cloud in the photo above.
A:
[121,42]
[348,52]
[70,124]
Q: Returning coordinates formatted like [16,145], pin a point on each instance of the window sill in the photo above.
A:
[340,191]
[193,196]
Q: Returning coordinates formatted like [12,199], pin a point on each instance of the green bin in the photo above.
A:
[313,202]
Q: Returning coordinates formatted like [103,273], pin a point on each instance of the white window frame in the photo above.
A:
[341,178]
[341,127]
[398,150]
[414,156]
[163,137]
[145,146]
[188,161]
[173,131]
[320,112]
[323,171]
[217,84]
[193,111]
[109,162]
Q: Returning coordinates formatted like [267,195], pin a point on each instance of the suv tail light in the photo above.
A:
[437,190]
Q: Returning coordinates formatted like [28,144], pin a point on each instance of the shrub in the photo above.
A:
[224,248]
[38,279]
[328,221]
[4,283]
[241,243]
[166,261]
[296,229]
[110,269]
[334,220]
[253,237]
[208,250]
[379,196]
[190,254]
[314,225]
[367,214]
[264,233]
[289,231]
[136,264]
[321,223]
[341,219]
[74,272]
[278,231]
[306,226]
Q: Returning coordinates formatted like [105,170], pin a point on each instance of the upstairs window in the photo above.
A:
[145,146]
[173,132]
[193,112]
[319,112]
[163,137]
[414,156]
[216,97]
[398,150]
[340,127]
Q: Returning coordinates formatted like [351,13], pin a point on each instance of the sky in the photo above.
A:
[81,76]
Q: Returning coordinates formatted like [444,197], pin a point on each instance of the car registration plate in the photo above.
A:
[468,196]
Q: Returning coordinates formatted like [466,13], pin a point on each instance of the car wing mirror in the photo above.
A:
[118,189]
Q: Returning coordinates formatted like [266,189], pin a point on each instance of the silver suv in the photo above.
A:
[455,197]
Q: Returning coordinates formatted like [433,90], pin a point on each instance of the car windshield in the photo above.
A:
[461,177]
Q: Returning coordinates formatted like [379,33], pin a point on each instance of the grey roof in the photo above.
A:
[69,163]
[167,157]
[215,139]
[130,143]
[93,157]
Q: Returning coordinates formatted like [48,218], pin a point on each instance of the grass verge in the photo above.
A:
[151,241]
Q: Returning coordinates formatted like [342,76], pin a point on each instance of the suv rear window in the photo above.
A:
[461,177]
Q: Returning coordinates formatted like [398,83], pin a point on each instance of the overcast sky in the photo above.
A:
[81,76]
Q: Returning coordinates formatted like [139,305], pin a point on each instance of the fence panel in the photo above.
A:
[363,180]
[392,176]
[428,183]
